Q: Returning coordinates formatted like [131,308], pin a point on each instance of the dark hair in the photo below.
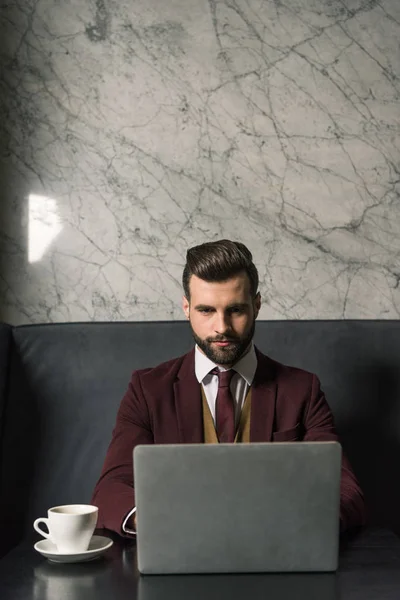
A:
[219,261]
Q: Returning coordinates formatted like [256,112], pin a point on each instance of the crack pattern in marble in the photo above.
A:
[157,125]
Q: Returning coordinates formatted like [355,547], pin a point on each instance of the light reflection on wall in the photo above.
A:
[44,225]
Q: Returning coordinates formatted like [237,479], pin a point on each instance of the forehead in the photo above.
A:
[235,289]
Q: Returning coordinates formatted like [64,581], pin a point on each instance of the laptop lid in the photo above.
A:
[205,508]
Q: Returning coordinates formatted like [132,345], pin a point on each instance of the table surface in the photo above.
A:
[369,569]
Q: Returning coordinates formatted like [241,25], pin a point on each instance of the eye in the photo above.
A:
[238,310]
[205,311]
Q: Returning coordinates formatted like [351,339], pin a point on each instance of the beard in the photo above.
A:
[229,355]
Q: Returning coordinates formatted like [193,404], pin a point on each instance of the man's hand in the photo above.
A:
[134,520]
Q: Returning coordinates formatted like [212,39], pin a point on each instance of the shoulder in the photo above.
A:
[284,374]
[165,371]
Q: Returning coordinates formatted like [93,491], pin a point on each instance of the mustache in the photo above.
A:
[221,338]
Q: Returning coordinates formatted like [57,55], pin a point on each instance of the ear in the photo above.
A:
[185,306]
[257,304]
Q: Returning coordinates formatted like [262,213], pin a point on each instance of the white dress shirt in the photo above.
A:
[245,369]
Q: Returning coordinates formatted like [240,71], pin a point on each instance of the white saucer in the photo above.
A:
[98,545]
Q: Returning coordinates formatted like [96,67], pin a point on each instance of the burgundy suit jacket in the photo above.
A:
[163,405]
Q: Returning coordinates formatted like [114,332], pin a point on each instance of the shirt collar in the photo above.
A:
[246,366]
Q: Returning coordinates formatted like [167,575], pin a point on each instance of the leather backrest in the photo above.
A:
[67,381]
[5,342]
[5,348]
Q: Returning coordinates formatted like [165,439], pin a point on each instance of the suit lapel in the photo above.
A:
[188,403]
[263,397]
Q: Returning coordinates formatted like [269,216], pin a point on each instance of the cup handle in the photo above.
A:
[39,530]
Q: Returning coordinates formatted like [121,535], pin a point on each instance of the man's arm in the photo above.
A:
[319,425]
[114,493]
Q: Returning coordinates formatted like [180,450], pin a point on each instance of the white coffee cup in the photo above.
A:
[70,526]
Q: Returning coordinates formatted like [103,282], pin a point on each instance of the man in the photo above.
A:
[224,390]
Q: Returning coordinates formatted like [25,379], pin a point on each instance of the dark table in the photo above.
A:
[369,570]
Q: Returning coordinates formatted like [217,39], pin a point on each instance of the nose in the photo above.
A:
[221,323]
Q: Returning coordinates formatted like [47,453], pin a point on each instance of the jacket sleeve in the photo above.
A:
[114,494]
[319,426]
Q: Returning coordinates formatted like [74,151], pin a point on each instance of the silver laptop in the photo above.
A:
[252,586]
[237,508]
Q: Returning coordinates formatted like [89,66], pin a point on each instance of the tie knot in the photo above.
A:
[224,377]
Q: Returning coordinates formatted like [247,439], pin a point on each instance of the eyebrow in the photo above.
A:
[233,305]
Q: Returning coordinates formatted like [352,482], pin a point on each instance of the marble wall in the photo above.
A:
[131,130]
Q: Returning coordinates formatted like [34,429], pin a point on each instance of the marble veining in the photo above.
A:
[133,130]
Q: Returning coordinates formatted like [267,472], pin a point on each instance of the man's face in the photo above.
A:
[222,317]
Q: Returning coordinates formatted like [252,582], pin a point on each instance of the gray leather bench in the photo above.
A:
[61,385]
[5,343]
